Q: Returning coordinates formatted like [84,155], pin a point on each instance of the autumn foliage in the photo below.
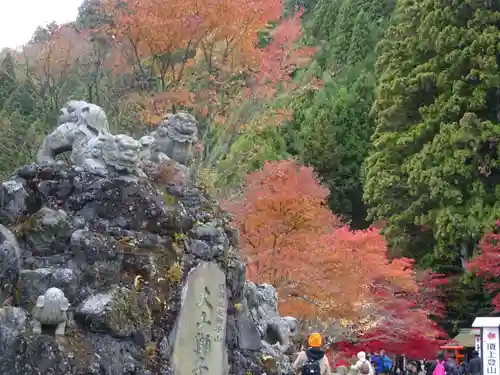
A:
[281,212]
[325,273]
[487,264]
[403,323]
[212,44]
[220,31]
[281,56]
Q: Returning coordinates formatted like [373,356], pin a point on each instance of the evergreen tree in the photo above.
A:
[344,26]
[435,170]
[90,15]
[362,39]
[331,130]
[8,81]
[336,142]
[323,19]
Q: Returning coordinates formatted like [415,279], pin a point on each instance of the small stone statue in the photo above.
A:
[51,309]
[120,153]
[79,125]
[175,137]
[262,304]
[145,153]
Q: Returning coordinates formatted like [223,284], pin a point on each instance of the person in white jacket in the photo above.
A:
[362,359]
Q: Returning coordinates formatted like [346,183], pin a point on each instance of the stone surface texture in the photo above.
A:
[132,256]
[199,344]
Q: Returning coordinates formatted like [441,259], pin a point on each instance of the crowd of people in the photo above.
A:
[313,361]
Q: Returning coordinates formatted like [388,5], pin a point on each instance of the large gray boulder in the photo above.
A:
[108,243]
[121,251]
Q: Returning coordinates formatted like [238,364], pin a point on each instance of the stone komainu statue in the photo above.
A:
[51,309]
[175,137]
[79,125]
[83,130]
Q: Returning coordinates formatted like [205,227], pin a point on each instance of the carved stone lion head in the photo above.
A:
[180,126]
[88,114]
[121,152]
[71,112]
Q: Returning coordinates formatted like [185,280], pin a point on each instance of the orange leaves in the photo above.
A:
[281,57]
[280,215]
[351,269]
[321,269]
[158,30]
[156,27]
[177,96]
[58,54]
[154,107]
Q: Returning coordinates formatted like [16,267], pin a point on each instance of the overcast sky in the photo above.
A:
[19,18]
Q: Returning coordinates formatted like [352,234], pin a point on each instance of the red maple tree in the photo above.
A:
[487,264]
[214,45]
[338,280]
[281,212]
[403,323]
[282,56]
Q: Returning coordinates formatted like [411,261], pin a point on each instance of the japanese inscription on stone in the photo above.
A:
[200,340]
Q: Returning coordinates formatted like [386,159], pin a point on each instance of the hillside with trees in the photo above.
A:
[355,142]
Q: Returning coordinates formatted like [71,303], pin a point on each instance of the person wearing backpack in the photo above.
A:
[312,361]
[363,366]
[442,366]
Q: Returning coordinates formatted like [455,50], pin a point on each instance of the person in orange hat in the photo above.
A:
[312,361]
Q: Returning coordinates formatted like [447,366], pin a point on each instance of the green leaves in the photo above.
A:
[437,139]
[331,129]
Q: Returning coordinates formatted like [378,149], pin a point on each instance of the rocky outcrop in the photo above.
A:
[120,251]
[113,246]
[132,274]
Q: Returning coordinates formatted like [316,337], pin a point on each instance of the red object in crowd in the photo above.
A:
[342,362]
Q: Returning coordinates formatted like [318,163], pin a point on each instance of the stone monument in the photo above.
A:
[200,341]
[83,130]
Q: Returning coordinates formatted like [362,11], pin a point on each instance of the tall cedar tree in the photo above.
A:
[331,129]
[8,81]
[434,173]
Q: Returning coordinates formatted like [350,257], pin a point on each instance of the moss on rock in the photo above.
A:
[129,314]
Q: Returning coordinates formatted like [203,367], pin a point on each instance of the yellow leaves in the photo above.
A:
[174,273]
[138,280]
